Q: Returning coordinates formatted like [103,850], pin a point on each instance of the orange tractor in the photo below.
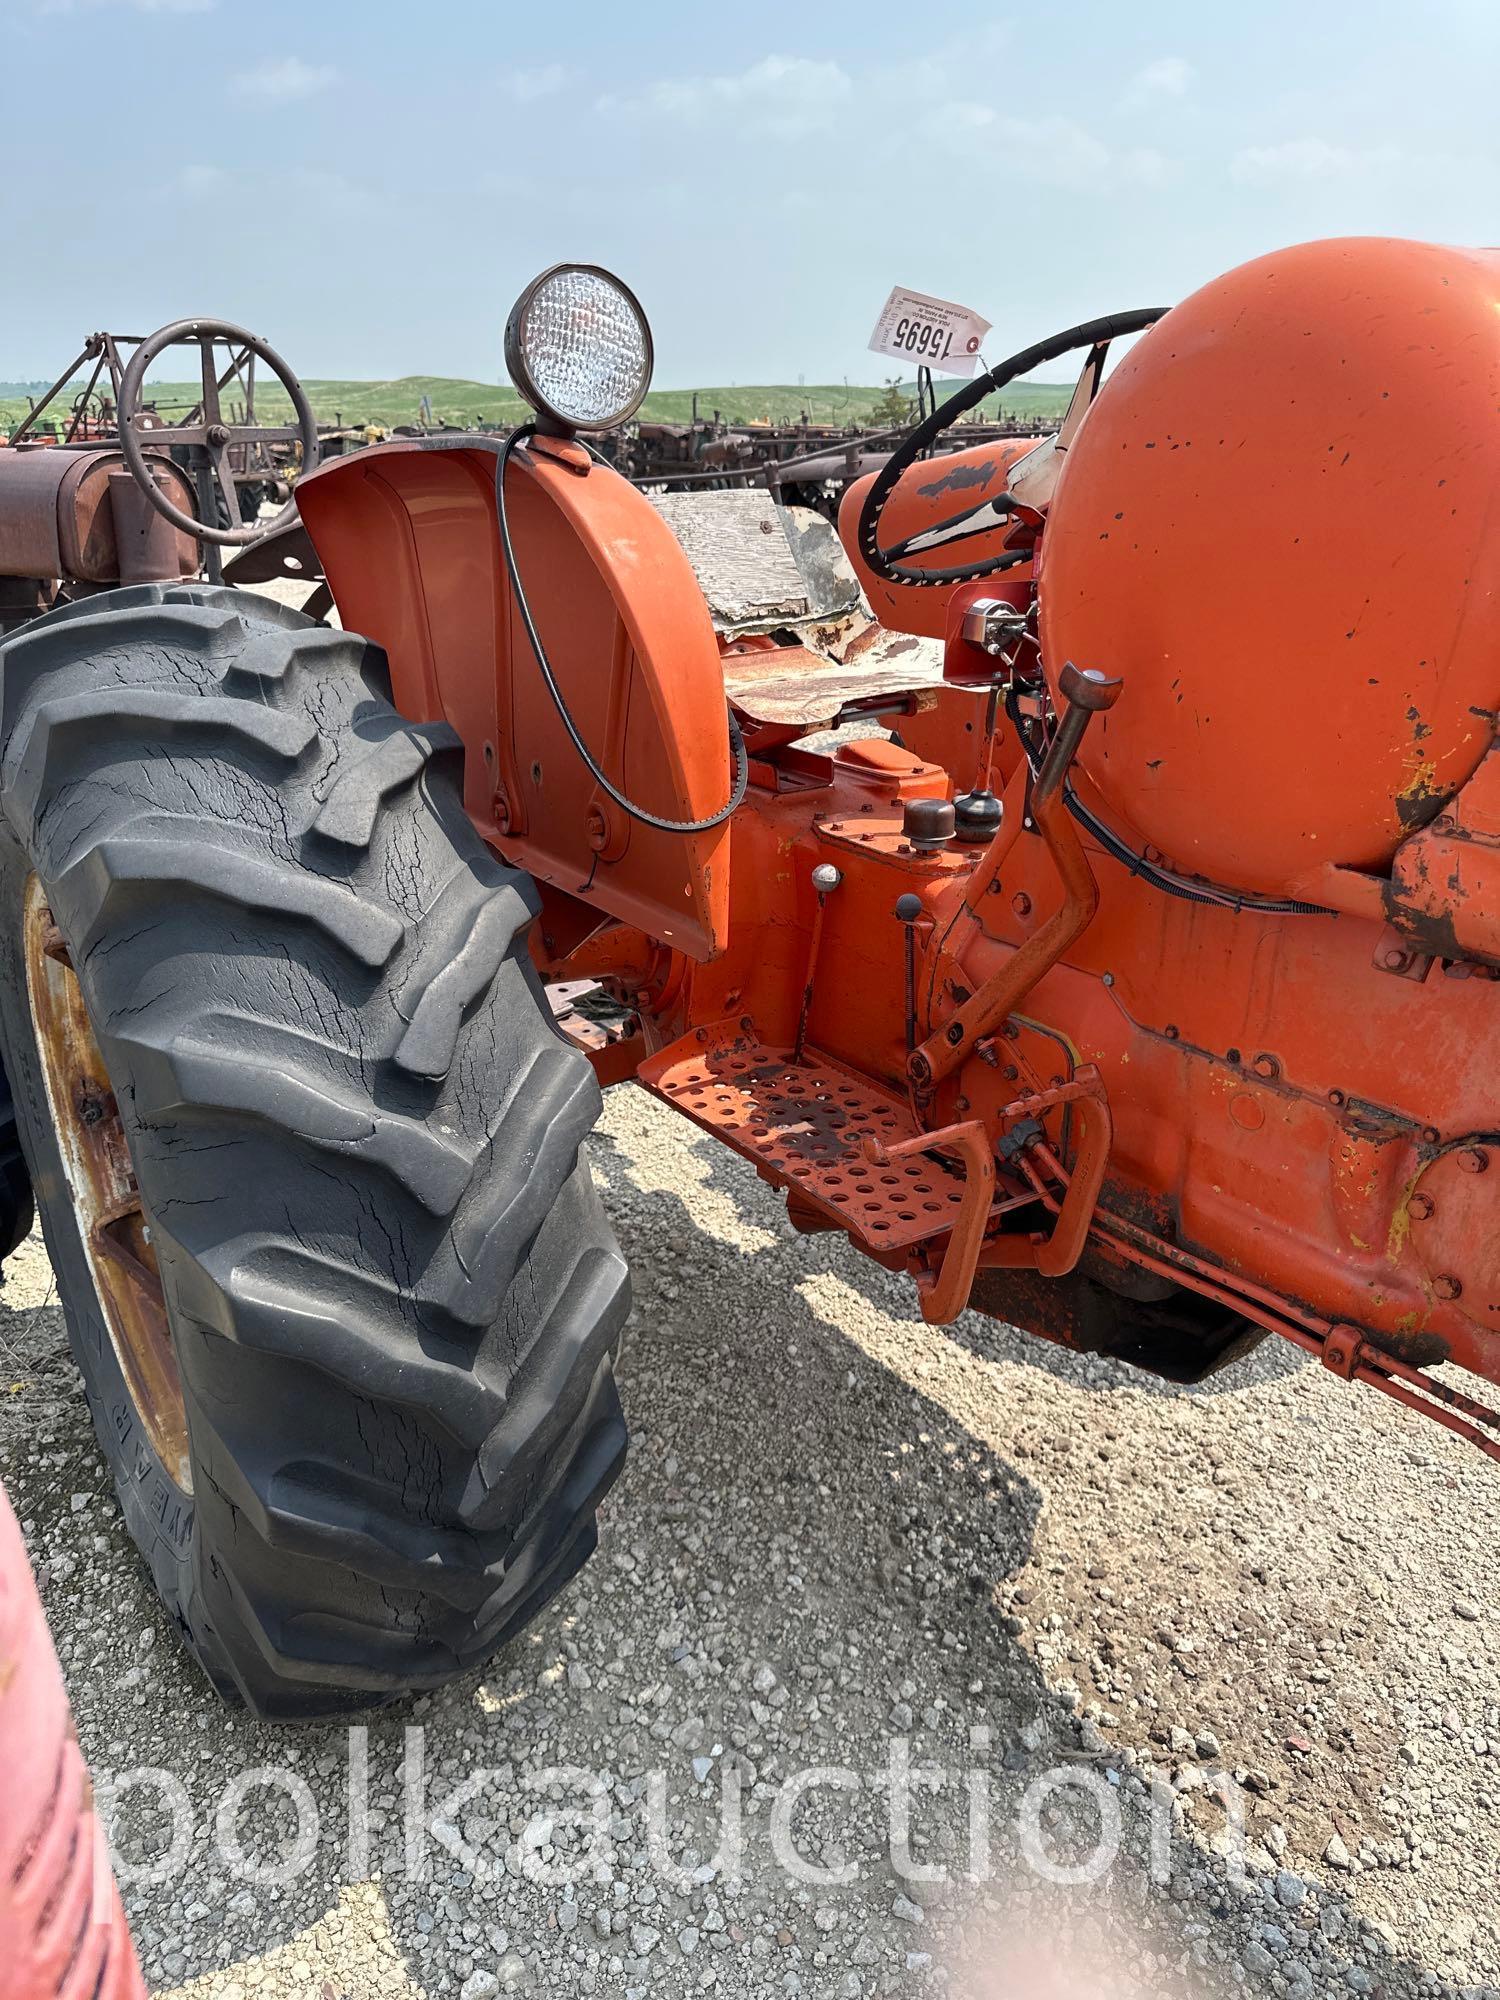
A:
[1127,976]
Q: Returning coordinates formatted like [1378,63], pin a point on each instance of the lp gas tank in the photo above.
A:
[1280,526]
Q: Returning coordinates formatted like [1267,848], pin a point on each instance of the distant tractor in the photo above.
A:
[1129,977]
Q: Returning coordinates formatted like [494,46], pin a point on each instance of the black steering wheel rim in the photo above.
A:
[212,435]
[1089,333]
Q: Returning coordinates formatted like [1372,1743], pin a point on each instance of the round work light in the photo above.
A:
[578,348]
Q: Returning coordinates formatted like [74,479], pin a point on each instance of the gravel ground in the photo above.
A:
[843,1532]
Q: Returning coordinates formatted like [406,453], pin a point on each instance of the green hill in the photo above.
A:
[458,402]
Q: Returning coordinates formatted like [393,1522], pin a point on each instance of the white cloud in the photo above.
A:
[911,109]
[1046,151]
[1168,76]
[1054,150]
[201,182]
[1296,160]
[779,93]
[525,86]
[1146,166]
[284,80]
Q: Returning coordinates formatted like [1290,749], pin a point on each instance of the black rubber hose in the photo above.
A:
[1090,333]
[612,791]
[1159,878]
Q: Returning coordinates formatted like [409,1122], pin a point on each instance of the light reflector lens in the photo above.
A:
[578,348]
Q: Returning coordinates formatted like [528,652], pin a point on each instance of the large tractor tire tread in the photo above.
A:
[395,1299]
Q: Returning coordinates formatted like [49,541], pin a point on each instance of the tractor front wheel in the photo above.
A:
[305,1146]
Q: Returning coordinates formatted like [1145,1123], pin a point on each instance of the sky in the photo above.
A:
[369,185]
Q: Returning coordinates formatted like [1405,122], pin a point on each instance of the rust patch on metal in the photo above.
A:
[805,1125]
[960,479]
[106,1199]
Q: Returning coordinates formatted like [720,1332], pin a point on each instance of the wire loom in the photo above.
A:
[1125,854]
[640,814]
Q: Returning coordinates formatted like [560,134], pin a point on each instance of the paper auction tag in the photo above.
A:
[932,333]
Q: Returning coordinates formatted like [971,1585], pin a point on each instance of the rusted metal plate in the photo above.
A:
[741,556]
[29,481]
[789,684]
[57,517]
[765,569]
[89,532]
[804,1125]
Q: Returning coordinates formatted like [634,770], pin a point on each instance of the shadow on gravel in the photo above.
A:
[996,1340]
[803,1561]
[904,1476]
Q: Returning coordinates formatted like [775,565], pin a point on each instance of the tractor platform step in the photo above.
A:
[805,1125]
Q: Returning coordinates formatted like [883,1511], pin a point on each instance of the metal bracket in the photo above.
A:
[945,1292]
[1055,1255]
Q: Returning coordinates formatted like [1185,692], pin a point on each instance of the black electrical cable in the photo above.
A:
[1090,333]
[639,813]
[1159,878]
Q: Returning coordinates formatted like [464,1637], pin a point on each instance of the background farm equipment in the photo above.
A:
[802,464]
[252,465]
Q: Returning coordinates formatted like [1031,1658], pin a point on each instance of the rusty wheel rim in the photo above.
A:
[106,1198]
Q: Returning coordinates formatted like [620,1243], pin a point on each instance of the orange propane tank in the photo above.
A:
[1279,526]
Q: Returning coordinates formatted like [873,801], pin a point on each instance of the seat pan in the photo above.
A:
[800,643]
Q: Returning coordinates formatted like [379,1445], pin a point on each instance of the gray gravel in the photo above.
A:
[842,1529]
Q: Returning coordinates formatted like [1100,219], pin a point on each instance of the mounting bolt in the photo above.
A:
[1337,1099]
[1021,903]
[1394,961]
[1267,1068]
[1472,1160]
[1447,1288]
[1108,978]
[1420,1207]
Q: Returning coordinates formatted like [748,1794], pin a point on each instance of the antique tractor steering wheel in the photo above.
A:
[204,430]
[1094,334]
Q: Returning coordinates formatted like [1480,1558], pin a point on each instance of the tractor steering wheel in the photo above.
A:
[1094,334]
[204,428]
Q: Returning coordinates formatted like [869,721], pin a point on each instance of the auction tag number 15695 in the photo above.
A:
[931,333]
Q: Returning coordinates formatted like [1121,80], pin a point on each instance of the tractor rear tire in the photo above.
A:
[17,1209]
[387,1291]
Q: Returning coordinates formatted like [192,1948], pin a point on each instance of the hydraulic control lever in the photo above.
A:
[1086,692]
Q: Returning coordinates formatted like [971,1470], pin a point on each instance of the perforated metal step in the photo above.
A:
[804,1124]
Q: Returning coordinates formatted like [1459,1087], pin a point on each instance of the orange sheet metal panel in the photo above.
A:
[1278,526]
[407,534]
